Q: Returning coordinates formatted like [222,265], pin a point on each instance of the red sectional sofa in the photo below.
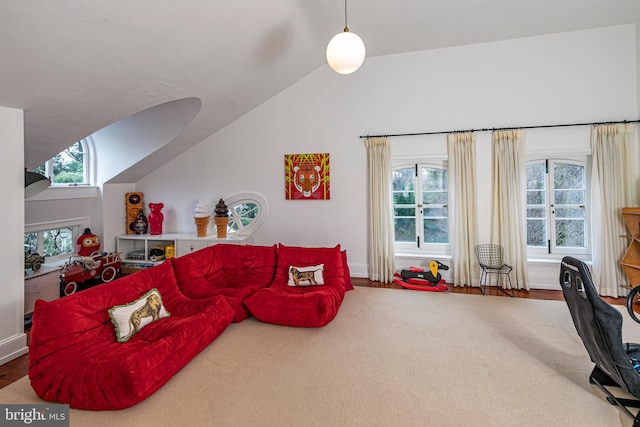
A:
[78,353]
[74,357]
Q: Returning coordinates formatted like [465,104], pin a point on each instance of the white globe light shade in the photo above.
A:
[345,52]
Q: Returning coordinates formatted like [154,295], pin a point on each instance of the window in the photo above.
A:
[247,213]
[557,216]
[53,243]
[69,167]
[421,218]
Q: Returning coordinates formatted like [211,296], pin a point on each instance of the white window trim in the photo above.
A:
[88,166]
[411,250]
[77,226]
[64,192]
[41,226]
[251,197]
[541,254]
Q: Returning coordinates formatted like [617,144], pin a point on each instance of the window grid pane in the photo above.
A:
[536,232]
[30,243]
[244,213]
[405,229]
[536,204]
[569,199]
[57,242]
[435,222]
[68,165]
[570,233]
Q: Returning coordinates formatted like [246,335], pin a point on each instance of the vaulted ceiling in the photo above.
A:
[77,66]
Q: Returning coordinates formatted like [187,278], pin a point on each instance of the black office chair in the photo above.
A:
[491,260]
[599,325]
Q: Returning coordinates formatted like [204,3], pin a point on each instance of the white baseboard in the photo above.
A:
[13,347]
[358,270]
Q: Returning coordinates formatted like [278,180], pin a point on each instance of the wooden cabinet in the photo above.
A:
[631,260]
[43,284]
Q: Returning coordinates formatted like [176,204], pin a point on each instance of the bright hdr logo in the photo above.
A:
[52,415]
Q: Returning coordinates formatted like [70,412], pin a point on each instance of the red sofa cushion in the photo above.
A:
[74,357]
[199,273]
[308,306]
[234,271]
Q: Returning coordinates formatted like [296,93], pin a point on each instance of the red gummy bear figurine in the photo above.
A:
[155,218]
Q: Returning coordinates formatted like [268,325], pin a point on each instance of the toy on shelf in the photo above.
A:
[155,218]
[170,251]
[140,224]
[418,279]
[157,253]
[133,205]
[222,219]
[87,243]
[33,260]
[79,269]
[201,218]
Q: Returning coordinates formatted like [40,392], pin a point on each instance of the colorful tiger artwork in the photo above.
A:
[306,179]
[307,176]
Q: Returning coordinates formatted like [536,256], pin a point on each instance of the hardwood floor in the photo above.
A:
[491,290]
[17,368]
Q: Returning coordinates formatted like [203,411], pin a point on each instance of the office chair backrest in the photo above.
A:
[599,325]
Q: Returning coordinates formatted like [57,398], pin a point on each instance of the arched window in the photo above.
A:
[70,167]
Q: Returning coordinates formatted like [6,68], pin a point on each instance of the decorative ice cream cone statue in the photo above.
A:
[202,218]
[221,219]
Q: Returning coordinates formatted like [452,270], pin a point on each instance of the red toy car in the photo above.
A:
[99,265]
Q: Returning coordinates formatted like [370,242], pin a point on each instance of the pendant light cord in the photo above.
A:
[346,27]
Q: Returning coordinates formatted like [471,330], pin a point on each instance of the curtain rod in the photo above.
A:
[505,128]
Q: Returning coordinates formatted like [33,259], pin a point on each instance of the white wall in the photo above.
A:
[114,213]
[571,77]
[13,341]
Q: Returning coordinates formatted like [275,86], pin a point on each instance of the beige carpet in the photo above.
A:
[390,358]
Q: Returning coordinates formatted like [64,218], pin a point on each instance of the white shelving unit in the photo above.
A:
[132,244]
[186,243]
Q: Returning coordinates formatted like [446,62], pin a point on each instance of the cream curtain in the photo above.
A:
[508,202]
[461,149]
[614,181]
[381,226]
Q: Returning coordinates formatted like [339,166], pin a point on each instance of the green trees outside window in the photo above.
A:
[420,197]
[556,206]
[67,167]
[50,243]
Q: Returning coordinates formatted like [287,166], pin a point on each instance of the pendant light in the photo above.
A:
[345,51]
[34,183]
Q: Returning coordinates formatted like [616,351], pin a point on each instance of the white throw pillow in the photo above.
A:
[130,318]
[306,276]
